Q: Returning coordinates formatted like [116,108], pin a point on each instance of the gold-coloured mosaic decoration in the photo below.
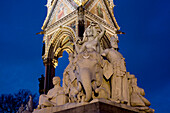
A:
[81,2]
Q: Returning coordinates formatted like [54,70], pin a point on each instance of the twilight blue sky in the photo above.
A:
[145,46]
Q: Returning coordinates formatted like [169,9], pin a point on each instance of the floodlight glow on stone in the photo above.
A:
[80,2]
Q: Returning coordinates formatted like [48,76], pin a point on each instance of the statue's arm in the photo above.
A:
[84,40]
[101,33]
[76,47]
[50,94]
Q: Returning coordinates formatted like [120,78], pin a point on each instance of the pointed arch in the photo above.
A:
[62,40]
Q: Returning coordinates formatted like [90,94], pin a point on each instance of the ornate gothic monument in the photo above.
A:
[96,79]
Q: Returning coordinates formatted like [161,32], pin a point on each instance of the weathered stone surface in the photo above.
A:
[96,106]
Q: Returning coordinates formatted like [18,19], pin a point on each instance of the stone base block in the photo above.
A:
[96,106]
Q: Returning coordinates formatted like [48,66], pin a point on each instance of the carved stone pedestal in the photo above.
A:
[96,106]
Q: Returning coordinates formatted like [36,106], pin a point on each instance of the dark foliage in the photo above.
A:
[10,103]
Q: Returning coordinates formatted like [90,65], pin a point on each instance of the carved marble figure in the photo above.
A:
[21,108]
[28,107]
[88,31]
[119,84]
[91,38]
[70,80]
[136,95]
[88,72]
[30,104]
[55,96]
[95,72]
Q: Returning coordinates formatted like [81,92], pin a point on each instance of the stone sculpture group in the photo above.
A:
[28,107]
[94,73]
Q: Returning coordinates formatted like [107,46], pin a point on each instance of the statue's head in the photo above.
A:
[91,30]
[114,42]
[56,80]
[30,96]
[134,81]
[22,105]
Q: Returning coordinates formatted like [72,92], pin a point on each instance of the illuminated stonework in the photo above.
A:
[81,2]
[87,30]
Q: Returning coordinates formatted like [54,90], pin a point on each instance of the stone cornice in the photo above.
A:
[111,15]
[65,19]
[73,15]
[98,19]
[47,22]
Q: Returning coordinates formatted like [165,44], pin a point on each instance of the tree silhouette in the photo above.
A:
[7,103]
[10,103]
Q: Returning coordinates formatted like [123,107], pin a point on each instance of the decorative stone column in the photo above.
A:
[49,74]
